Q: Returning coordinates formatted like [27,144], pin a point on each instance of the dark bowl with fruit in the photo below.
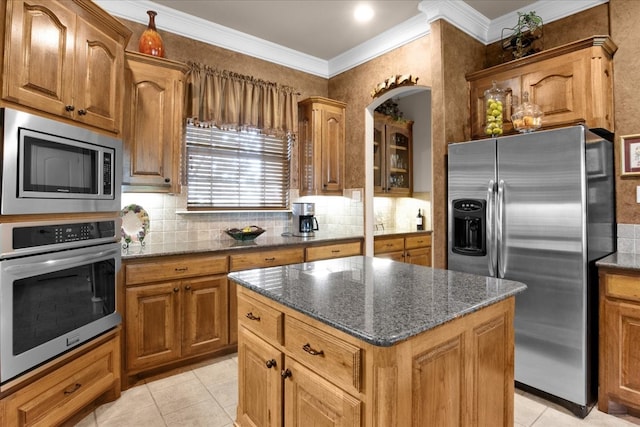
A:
[246,233]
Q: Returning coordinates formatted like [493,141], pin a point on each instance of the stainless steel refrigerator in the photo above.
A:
[539,208]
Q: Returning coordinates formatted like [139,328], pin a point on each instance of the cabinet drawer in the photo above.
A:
[336,360]
[266,259]
[422,241]
[53,398]
[388,245]
[626,287]
[332,251]
[259,318]
[174,269]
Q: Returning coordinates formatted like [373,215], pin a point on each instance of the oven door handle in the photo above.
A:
[41,267]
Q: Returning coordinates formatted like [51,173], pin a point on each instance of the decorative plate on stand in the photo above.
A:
[135,224]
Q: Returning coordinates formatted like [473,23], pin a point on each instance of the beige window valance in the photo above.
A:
[228,100]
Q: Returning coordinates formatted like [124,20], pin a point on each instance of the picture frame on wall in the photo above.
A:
[630,155]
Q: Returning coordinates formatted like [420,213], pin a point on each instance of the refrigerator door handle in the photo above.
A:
[502,256]
[490,236]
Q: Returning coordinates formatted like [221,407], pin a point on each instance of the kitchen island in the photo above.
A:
[362,341]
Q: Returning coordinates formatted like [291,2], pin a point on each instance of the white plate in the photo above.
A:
[135,223]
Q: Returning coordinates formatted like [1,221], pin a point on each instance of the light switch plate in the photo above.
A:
[638,194]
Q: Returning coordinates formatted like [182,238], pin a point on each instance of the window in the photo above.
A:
[236,169]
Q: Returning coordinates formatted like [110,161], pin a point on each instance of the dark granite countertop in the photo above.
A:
[376,300]
[623,260]
[228,244]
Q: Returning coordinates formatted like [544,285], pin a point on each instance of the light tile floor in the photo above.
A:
[207,396]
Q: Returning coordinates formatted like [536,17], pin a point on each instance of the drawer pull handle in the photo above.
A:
[311,351]
[72,389]
[181,269]
[250,316]
[270,259]
[285,374]
[335,251]
[271,363]
[389,245]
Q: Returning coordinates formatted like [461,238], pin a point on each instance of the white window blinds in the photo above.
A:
[236,170]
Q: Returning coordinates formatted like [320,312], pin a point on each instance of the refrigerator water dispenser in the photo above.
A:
[469,227]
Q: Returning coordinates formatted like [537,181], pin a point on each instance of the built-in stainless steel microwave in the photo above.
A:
[53,167]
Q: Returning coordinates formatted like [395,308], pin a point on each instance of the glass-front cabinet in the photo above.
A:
[392,156]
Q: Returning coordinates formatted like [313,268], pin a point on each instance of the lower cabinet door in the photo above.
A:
[623,350]
[259,382]
[310,400]
[420,256]
[205,325]
[152,325]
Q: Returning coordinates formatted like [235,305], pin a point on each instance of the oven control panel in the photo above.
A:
[36,237]
[41,235]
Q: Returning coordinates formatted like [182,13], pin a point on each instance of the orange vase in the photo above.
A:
[150,40]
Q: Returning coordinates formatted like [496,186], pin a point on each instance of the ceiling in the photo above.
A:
[320,28]
[320,37]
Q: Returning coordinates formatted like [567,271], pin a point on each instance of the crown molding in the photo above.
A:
[456,12]
[408,31]
[205,31]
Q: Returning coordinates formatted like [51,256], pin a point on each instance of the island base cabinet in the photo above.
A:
[311,400]
[259,382]
[460,373]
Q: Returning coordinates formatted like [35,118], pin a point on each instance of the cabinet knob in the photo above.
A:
[271,363]
[188,288]
[82,112]
[250,316]
[167,180]
[286,374]
[69,107]
[176,289]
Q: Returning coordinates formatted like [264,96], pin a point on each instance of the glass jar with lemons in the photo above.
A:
[494,102]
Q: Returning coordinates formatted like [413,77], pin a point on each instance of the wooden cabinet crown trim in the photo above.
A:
[603,41]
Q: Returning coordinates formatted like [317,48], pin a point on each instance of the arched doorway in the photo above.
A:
[418,105]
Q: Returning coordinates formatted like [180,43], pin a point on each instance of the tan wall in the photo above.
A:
[440,60]
[626,78]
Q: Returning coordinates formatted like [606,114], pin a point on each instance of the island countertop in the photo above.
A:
[379,301]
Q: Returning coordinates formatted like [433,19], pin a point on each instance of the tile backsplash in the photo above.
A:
[170,223]
[629,238]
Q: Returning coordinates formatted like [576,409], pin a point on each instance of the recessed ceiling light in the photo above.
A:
[363,13]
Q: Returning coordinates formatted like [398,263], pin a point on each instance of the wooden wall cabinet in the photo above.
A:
[572,84]
[619,364]
[66,59]
[152,131]
[176,308]
[413,248]
[321,132]
[392,156]
[292,391]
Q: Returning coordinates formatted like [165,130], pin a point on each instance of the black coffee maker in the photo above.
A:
[304,221]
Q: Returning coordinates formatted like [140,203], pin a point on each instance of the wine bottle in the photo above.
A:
[420,221]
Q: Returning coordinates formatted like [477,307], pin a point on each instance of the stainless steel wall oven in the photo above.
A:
[57,288]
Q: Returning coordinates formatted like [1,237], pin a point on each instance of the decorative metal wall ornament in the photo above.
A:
[525,38]
[393,82]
